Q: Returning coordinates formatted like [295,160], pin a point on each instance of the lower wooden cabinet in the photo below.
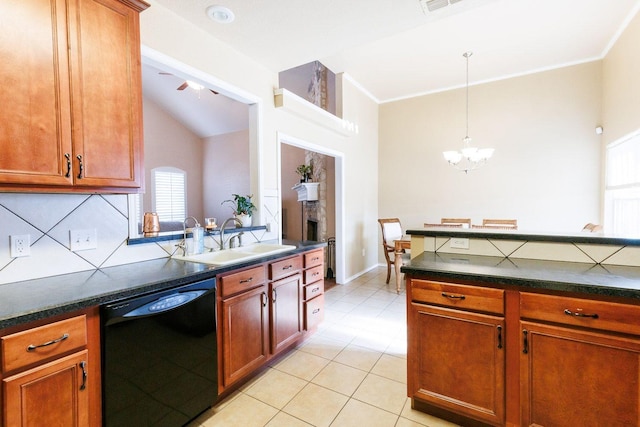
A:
[457,361]
[51,372]
[286,312]
[572,377]
[261,311]
[54,394]
[245,334]
[528,359]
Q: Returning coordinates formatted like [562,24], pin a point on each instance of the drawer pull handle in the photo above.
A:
[315,259]
[83,366]
[32,347]
[68,157]
[452,296]
[499,336]
[525,343]
[247,280]
[316,289]
[314,274]
[81,166]
[316,311]
[287,267]
[580,314]
[274,296]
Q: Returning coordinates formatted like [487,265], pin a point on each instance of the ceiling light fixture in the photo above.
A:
[468,158]
[220,14]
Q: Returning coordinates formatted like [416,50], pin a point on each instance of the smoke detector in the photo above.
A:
[433,5]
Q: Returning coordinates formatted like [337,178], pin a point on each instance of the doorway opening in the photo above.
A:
[319,220]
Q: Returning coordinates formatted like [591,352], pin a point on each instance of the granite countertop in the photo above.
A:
[534,236]
[29,300]
[612,281]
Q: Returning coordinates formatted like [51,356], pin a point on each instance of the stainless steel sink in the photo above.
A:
[243,253]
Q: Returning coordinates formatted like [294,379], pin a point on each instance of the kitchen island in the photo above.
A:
[505,334]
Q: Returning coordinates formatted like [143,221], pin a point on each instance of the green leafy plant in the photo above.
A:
[305,171]
[242,205]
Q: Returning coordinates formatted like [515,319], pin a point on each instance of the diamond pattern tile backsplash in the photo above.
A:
[48,218]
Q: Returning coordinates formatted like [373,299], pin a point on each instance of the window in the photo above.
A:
[622,193]
[169,193]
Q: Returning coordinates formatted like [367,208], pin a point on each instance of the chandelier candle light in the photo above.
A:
[468,158]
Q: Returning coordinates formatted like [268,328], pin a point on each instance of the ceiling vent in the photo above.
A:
[432,5]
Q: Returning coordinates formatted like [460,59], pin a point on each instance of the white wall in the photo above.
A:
[226,172]
[546,168]
[168,143]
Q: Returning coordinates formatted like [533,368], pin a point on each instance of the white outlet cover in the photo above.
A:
[459,243]
[20,245]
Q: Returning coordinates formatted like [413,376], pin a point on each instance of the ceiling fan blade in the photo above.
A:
[183,86]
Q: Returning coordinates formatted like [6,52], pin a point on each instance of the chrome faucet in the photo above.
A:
[224,225]
[183,244]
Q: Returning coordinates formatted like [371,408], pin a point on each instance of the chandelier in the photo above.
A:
[469,157]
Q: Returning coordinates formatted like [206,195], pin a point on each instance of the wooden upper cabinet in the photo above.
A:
[74,109]
[35,134]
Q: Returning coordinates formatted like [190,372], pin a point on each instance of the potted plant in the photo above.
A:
[305,172]
[242,208]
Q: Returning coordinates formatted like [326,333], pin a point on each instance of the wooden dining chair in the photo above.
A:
[391,230]
[501,223]
[592,228]
[460,221]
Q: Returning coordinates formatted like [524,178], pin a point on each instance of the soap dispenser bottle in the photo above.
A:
[198,239]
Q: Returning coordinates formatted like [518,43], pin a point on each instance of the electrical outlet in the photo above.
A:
[20,245]
[364,251]
[80,240]
[459,243]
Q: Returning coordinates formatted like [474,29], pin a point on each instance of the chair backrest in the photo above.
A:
[502,223]
[391,230]
[495,227]
[427,225]
[593,228]
[460,221]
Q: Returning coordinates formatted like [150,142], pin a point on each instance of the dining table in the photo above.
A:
[400,246]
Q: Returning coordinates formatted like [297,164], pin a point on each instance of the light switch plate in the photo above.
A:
[80,240]
[459,243]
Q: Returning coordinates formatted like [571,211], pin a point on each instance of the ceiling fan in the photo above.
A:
[189,83]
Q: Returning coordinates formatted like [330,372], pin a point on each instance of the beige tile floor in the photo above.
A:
[352,372]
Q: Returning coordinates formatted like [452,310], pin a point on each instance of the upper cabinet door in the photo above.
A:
[35,121]
[106,93]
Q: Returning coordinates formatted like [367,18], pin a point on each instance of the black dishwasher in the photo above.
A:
[159,356]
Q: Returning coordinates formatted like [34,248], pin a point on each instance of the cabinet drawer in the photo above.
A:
[464,297]
[42,343]
[313,290]
[285,267]
[313,274]
[313,312]
[587,313]
[240,281]
[313,258]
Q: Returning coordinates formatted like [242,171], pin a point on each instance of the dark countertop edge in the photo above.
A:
[522,282]
[207,271]
[175,235]
[588,238]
